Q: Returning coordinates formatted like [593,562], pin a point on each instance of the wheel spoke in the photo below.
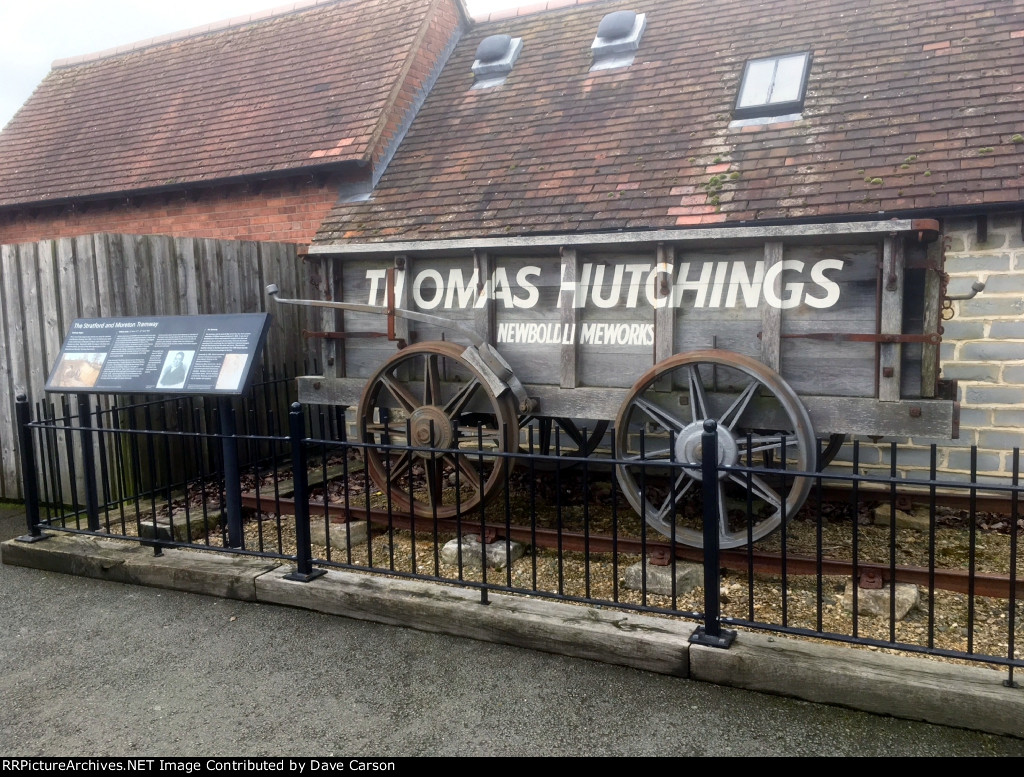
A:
[481,436]
[399,392]
[470,476]
[759,487]
[657,454]
[431,380]
[434,470]
[461,399]
[666,419]
[766,444]
[387,431]
[723,514]
[732,416]
[674,496]
[401,465]
[698,399]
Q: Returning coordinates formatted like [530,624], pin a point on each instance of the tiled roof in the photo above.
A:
[296,90]
[911,106]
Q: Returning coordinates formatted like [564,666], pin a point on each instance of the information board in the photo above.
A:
[211,354]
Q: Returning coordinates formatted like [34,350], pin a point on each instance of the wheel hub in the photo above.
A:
[690,448]
[430,427]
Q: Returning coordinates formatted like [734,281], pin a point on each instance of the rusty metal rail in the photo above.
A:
[957,580]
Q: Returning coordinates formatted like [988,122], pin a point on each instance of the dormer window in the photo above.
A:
[618,38]
[495,57]
[773,86]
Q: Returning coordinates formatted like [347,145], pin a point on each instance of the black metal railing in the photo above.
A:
[849,564]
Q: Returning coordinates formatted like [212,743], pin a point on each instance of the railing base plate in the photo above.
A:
[32,538]
[723,640]
[304,577]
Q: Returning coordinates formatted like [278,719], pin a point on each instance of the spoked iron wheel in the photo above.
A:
[760,421]
[428,396]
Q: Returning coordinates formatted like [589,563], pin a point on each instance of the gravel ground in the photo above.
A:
[958,622]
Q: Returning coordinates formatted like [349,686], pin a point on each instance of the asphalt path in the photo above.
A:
[92,668]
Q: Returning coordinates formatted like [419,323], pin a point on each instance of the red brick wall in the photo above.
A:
[441,28]
[282,211]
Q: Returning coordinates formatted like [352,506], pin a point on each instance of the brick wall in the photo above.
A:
[288,210]
[439,35]
[983,349]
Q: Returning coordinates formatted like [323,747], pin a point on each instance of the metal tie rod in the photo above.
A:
[355,307]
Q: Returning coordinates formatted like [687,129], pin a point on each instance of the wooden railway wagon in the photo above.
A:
[790,337]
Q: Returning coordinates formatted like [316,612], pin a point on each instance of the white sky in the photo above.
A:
[37,32]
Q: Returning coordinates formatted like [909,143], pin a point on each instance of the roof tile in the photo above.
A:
[279,93]
[937,80]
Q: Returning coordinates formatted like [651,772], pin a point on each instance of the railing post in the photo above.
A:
[232,472]
[711,633]
[304,571]
[23,411]
[92,505]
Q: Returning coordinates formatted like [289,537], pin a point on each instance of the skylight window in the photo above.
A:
[773,86]
[618,38]
[495,57]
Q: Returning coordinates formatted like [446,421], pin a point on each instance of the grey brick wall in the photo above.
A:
[983,349]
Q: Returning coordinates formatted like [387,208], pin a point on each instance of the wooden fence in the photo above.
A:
[45,286]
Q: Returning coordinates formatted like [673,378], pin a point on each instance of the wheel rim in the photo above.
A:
[428,396]
[759,417]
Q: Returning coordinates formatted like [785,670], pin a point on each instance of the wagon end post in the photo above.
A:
[711,633]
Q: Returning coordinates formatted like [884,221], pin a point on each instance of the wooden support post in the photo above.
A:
[483,317]
[771,316]
[665,317]
[568,377]
[932,321]
[892,318]
[403,272]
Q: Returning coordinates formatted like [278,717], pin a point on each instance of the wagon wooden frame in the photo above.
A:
[836,327]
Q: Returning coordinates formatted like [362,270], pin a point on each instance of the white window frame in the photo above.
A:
[773,86]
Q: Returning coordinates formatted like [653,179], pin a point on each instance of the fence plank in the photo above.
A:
[67,278]
[10,464]
[250,278]
[33,315]
[165,299]
[188,279]
[211,289]
[85,271]
[47,285]
[104,281]
[117,285]
[137,284]
[230,279]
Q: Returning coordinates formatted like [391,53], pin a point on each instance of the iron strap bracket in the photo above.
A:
[340,335]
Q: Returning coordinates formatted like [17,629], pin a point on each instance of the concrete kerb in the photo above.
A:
[901,686]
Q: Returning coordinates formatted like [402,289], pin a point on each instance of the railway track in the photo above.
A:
[661,552]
